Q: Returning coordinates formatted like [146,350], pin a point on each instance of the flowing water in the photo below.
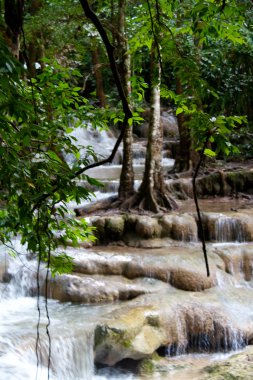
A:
[71,331]
[72,325]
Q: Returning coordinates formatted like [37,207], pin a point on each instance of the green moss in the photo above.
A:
[127,343]
[114,227]
[146,367]
[153,320]
[101,333]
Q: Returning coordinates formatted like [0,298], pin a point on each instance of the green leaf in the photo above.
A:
[209,153]
[53,156]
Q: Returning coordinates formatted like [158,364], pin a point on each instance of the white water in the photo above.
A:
[71,326]
[71,331]
[229,229]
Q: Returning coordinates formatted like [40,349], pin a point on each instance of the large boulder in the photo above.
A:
[175,321]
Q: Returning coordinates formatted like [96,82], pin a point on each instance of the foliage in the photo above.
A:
[202,44]
[35,180]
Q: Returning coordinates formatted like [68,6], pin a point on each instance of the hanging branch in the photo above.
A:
[125,105]
[200,223]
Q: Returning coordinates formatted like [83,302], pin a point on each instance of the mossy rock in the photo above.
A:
[99,224]
[146,367]
[237,367]
[147,228]
[114,228]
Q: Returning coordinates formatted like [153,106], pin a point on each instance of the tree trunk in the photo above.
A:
[126,185]
[13,14]
[153,176]
[98,76]
[153,194]
[182,162]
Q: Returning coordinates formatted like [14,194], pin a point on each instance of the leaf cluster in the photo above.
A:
[36,181]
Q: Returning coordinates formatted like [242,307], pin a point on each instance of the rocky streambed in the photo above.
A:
[164,303]
[162,309]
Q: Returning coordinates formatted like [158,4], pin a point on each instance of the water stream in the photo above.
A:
[71,331]
[72,325]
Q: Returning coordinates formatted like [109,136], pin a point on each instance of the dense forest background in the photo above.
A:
[106,64]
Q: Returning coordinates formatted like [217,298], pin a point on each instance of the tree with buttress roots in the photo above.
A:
[181,32]
[153,194]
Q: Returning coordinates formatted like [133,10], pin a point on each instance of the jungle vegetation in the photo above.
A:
[69,63]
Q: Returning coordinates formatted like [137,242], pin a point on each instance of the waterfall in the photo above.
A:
[229,229]
[204,330]
[71,334]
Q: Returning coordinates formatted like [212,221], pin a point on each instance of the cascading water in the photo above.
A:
[71,331]
[72,326]
[229,229]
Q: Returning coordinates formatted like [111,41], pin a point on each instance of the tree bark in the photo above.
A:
[126,185]
[153,195]
[182,162]
[98,77]
[13,14]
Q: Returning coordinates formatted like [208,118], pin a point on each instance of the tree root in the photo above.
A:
[154,202]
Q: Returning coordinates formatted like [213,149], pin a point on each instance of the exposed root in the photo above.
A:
[154,202]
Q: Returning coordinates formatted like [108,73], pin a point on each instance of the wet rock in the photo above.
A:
[128,336]
[147,227]
[99,263]
[99,224]
[114,227]
[97,289]
[178,323]
[179,227]
[133,230]
[238,262]
[191,280]
[184,269]
[238,366]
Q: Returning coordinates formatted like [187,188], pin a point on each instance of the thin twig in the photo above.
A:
[47,312]
[200,223]
[38,297]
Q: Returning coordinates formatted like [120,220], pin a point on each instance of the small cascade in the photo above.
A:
[184,228]
[71,329]
[225,228]
[101,141]
[21,272]
[229,229]
[71,348]
[76,352]
[205,334]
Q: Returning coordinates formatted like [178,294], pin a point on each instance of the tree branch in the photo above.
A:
[110,49]
[125,105]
